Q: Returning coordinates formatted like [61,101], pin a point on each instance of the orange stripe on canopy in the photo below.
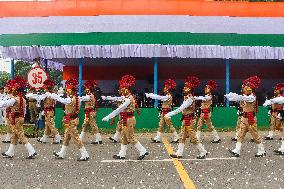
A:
[140,7]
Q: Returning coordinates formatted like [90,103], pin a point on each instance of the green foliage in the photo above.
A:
[55,75]
[22,69]
[4,77]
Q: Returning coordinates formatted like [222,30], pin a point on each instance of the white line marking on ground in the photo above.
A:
[165,160]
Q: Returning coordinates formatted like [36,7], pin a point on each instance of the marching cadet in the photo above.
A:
[188,119]
[118,129]
[275,112]
[126,111]
[248,120]
[7,114]
[49,111]
[205,116]
[71,120]
[32,103]
[239,114]
[17,104]
[90,112]
[279,100]
[167,100]
[2,110]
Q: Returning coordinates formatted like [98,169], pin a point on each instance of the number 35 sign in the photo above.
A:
[36,77]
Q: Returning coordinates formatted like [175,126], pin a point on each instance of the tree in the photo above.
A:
[4,77]
[22,69]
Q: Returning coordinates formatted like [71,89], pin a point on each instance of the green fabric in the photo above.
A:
[116,38]
[222,118]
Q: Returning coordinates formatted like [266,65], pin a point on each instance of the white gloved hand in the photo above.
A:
[103,97]
[105,119]
[267,103]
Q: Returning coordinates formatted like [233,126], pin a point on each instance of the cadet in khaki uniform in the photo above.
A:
[170,85]
[118,130]
[248,120]
[8,114]
[275,112]
[71,120]
[240,114]
[49,109]
[205,116]
[32,107]
[188,119]
[90,112]
[17,104]
[279,100]
[126,111]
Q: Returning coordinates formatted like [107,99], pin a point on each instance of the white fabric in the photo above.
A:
[7,103]
[121,98]
[11,150]
[282,146]
[84,153]
[179,152]
[270,134]
[116,136]
[140,148]
[238,148]
[57,138]
[143,50]
[260,149]
[62,152]
[236,97]
[43,138]
[56,97]
[202,151]
[175,135]
[158,136]
[98,137]
[122,152]
[8,137]
[203,98]
[85,98]
[184,105]
[267,103]
[81,137]
[118,110]
[215,134]
[278,100]
[157,97]
[198,135]
[30,149]
[37,97]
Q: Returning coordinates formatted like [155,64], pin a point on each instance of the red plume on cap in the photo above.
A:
[8,84]
[21,82]
[252,82]
[127,81]
[71,84]
[89,84]
[192,82]
[279,86]
[212,85]
[170,84]
[48,83]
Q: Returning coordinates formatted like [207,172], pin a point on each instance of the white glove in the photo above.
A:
[48,94]
[29,95]
[103,97]
[105,119]
[147,95]
[267,103]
